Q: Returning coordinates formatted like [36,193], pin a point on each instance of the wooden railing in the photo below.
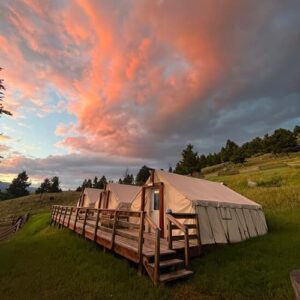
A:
[174,224]
[112,221]
[7,232]
[157,230]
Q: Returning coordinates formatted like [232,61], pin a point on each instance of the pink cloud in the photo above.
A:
[135,74]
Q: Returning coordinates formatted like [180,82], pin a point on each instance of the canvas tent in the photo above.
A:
[118,196]
[89,198]
[224,215]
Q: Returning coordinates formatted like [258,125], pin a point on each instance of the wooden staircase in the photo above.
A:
[169,269]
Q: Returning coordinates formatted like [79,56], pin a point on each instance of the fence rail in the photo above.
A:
[10,230]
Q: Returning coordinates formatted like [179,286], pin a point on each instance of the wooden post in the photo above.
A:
[66,209]
[52,214]
[96,225]
[114,230]
[161,210]
[60,213]
[55,216]
[187,247]
[84,221]
[141,241]
[198,234]
[70,215]
[170,242]
[143,199]
[100,200]
[76,216]
[157,256]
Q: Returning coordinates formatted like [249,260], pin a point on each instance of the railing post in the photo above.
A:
[157,256]
[52,214]
[141,241]
[96,225]
[170,242]
[187,247]
[70,215]
[60,213]
[66,209]
[84,221]
[114,230]
[198,234]
[75,221]
[55,215]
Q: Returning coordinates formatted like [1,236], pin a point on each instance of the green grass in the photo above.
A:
[35,204]
[41,262]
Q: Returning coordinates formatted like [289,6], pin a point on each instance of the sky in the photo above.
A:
[99,86]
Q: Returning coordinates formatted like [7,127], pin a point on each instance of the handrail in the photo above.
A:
[156,250]
[179,225]
[150,222]
[185,230]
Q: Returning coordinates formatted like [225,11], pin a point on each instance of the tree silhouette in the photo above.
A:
[19,185]
[2,89]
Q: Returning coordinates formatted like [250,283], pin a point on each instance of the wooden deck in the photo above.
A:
[134,236]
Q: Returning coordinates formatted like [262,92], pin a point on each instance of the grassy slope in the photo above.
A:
[256,269]
[35,203]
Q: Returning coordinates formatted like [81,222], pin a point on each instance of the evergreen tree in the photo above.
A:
[2,89]
[102,182]
[19,185]
[189,162]
[44,187]
[55,185]
[283,141]
[202,161]
[89,183]
[127,178]
[95,182]
[142,175]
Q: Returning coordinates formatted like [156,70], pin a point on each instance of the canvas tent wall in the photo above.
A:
[119,196]
[224,215]
[89,198]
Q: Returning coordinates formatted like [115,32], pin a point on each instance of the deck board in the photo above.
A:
[104,238]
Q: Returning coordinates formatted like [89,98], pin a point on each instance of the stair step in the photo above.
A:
[151,253]
[168,263]
[175,275]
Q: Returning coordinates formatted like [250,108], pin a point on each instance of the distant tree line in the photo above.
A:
[19,187]
[96,183]
[49,186]
[281,141]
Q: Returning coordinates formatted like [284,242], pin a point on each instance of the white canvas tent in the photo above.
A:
[119,195]
[89,198]
[224,215]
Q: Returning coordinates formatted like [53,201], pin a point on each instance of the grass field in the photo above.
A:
[35,204]
[41,262]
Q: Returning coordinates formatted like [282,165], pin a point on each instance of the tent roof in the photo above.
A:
[92,194]
[202,191]
[123,192]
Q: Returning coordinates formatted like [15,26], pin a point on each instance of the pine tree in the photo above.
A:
[55,185]
[142,175]
[95,182]
[189,162]
[44,187]
[2,89]
[19,185]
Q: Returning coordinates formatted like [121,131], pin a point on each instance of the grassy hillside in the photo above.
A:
[35,203]
[43,262]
